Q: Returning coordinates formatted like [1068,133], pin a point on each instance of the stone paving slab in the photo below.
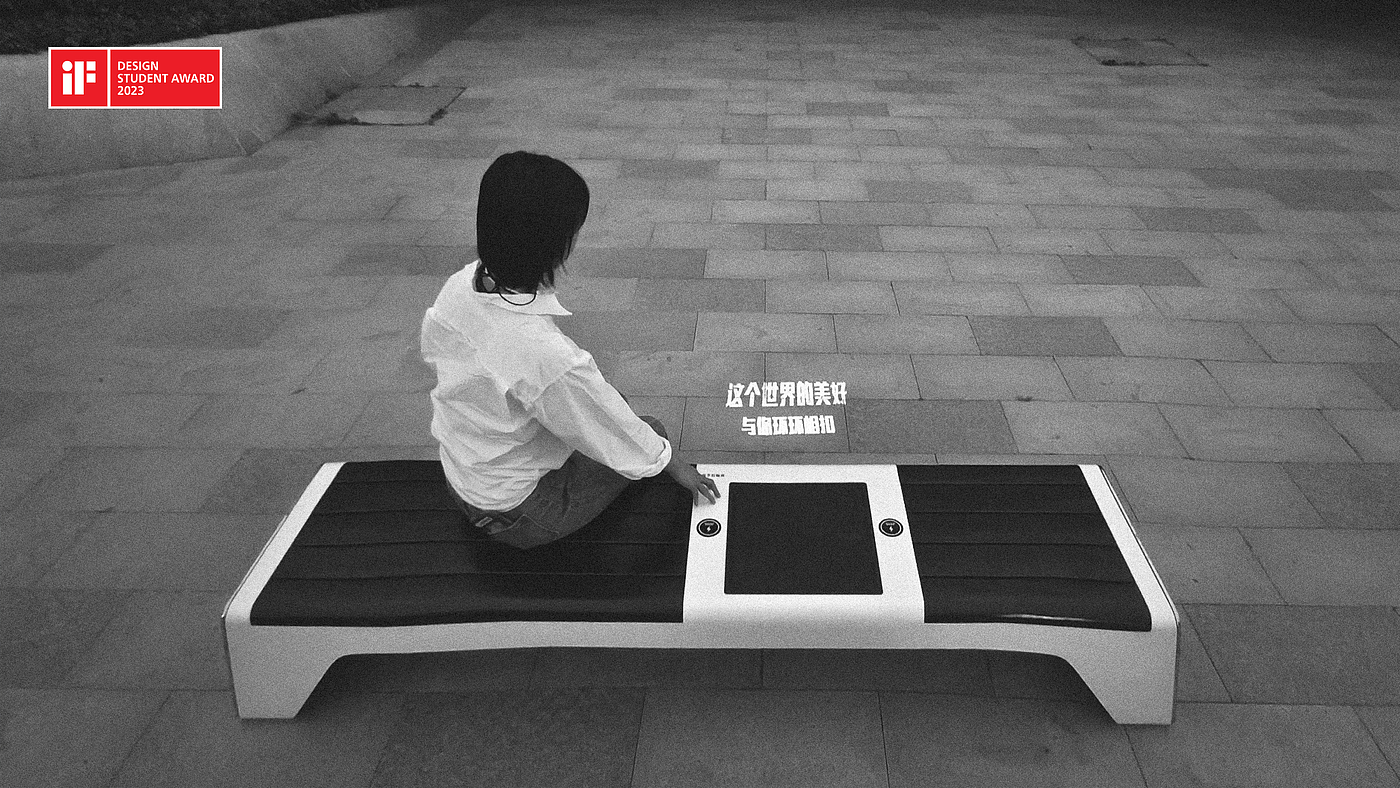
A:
[47,632]
[1043,336]
[1184,339]
[1087,300]
[297,421]
[658,668]
[608,294]
[968,427]
[159,640]
[1342,306]
[36,541]
[1383,723]
[1303,655]
[971,377]
[1092,428]
[266,481]
[888,266]
[959,299]
[1374,435]
[1330,567]
[62,420]
[1217,303]
[1125,270]
[734,331]
[1351,496]
[722,263]
[1209,565]
[897,670]
[1280,385]
[1257,434]
[46,726]
[1366,274]
[778,737]
[1220,494]
[1242,744]
[682,373]
[394,106]
[831,297]
[1232,272]
[1003,742]
[390,420]
[375,364]
[1011,253]
[1196,678]
[197,737]
[1125,379]
[1323,344]
[128,479]
[642,331]
[159,551]
[904,333]
[568,734]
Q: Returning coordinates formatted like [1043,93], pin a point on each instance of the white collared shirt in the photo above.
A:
[515,397]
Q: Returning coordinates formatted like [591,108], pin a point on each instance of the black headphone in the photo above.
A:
[496,287]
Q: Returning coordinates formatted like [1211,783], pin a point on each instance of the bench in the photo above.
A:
[375,558]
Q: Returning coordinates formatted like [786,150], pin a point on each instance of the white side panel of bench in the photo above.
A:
[1131,673]
[1149,583]
[271,674]
[240,607]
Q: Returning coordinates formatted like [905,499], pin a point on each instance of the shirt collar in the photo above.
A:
[545,301]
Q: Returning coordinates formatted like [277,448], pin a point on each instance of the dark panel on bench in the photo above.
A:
[800,538]
[387,546]
[1017,543]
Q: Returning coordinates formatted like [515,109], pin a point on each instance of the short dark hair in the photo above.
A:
[528,212]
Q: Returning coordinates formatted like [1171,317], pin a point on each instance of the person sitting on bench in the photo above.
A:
[534,442]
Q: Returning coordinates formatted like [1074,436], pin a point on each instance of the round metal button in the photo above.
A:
[708,527]
[891,527]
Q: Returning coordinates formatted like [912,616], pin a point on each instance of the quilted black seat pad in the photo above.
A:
[387,546]
[1017,543]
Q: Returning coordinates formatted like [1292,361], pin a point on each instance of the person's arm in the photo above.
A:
[588,414]
[688,477]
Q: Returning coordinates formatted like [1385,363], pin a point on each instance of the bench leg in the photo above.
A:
[276,684]
[1135,689]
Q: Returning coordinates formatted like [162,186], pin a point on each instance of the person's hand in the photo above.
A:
[691,479]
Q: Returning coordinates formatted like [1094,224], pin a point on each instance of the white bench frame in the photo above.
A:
[1133,674]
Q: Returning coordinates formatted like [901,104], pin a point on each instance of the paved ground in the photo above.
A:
[1006,250]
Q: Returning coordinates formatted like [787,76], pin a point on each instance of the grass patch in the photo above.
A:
[32,26]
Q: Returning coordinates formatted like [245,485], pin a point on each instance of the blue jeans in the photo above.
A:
[564,500]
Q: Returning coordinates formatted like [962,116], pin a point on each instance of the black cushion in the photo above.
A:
[1017,543]
[387,546]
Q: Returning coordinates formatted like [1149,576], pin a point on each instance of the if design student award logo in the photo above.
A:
[77,78]
[136,77]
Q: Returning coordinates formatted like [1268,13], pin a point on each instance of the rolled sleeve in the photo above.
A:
[586,412]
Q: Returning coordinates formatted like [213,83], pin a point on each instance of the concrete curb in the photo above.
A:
[269,75]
